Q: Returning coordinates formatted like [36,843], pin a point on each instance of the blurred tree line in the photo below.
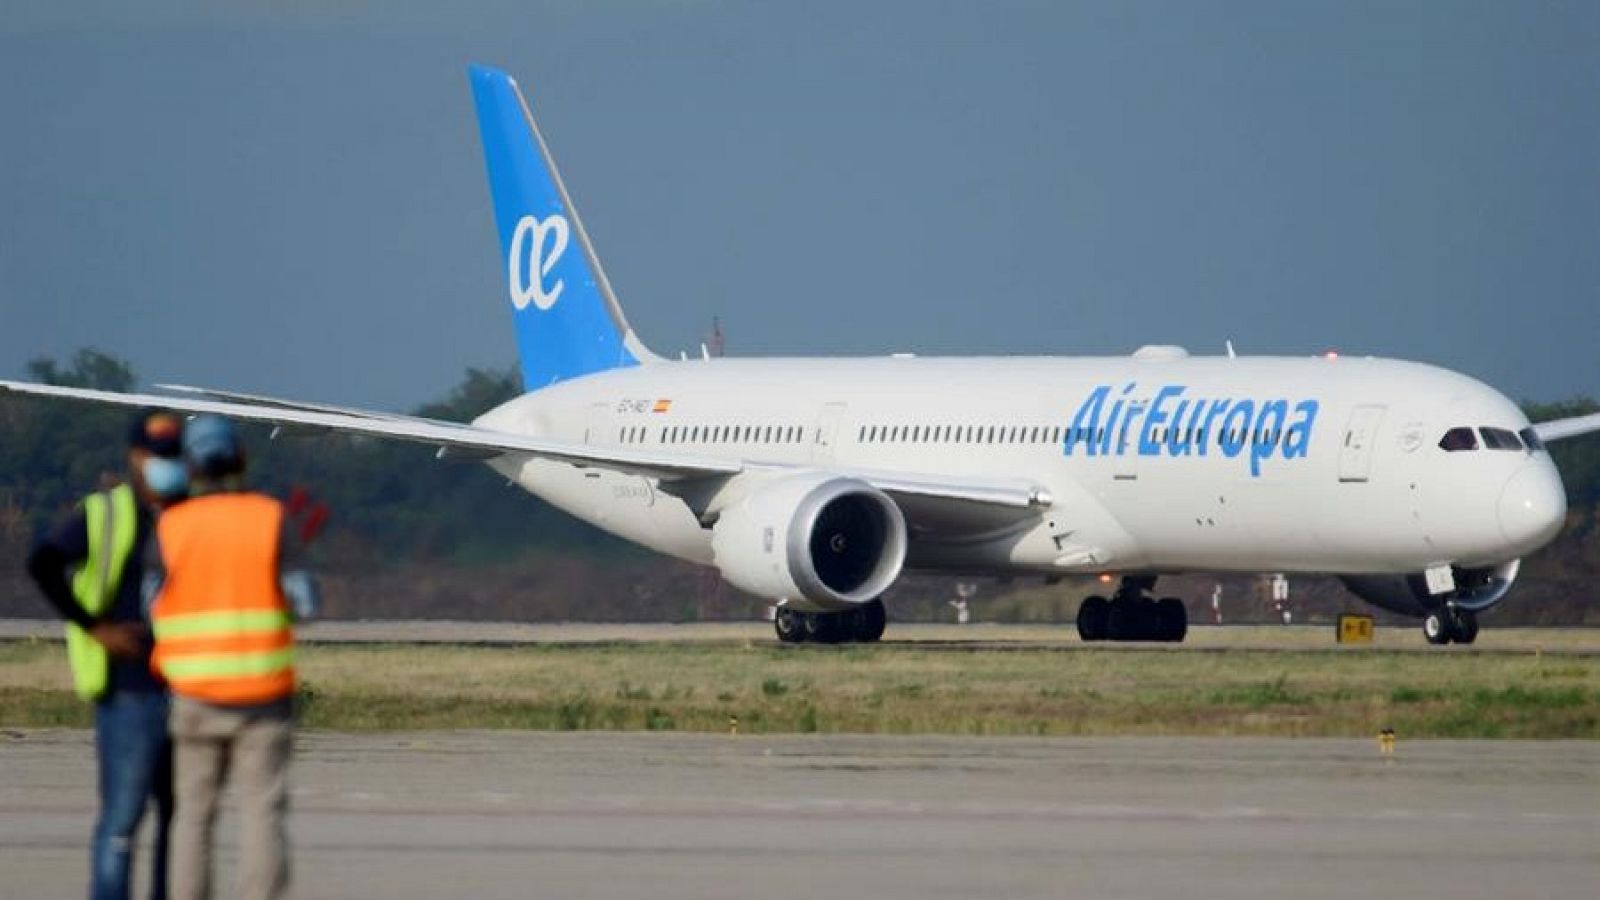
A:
[413,536]
[395,497]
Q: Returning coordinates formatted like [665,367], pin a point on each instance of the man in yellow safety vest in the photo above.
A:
[91,569]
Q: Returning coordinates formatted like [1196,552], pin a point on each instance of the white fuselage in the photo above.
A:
[1185,463]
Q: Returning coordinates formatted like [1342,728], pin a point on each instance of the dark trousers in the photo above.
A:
[135,761]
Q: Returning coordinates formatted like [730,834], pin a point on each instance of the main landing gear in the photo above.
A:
[1133,615]
[864,624]
[1450,624]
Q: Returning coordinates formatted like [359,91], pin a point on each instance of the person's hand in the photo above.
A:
[123,640]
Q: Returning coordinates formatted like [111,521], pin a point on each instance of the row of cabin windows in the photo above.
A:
[714,434]
[957,434]
[1463,438]
[934,434]
[1037,434]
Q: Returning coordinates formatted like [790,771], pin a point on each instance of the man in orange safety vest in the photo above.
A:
[224,642]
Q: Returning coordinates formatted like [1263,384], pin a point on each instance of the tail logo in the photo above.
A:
[530,264]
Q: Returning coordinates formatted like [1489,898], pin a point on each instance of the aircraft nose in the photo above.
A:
[1533,505]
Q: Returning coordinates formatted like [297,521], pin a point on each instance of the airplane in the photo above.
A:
[815,482]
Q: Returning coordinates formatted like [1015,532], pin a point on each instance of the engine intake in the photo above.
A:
[828,541]
[1476,589]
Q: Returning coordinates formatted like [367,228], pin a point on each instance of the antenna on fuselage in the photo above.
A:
[717,343]
[1229,344]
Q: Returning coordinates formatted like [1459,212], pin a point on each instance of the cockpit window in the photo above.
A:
[1531,438]
[1500,439]
[1458,439]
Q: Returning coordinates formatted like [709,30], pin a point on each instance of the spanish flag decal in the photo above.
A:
[662,406]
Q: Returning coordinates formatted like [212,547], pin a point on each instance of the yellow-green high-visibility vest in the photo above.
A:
[112,518]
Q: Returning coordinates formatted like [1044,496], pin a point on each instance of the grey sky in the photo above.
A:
[286,199]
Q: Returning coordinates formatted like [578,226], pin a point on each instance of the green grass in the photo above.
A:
[902,690]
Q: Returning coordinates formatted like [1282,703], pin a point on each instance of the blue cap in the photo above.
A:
[209,440]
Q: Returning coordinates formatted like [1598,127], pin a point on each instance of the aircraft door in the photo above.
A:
[1355,455]
[826,433]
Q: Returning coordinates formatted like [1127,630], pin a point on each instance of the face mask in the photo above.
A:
[166,478]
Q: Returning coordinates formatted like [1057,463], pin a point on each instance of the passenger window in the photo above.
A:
[1500,439]
[1457,440]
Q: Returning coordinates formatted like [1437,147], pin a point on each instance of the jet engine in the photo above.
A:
[825,541]
[1476,590]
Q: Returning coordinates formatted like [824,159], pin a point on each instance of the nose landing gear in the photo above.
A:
[1133,615]
[1450,624]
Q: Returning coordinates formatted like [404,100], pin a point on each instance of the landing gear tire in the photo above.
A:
[1092,616]
[824,628]
[1464,626]
[868,622]
[790,626]
[1436,628]
[1172,620]
[1123,622]
[1132,615]
[864,624]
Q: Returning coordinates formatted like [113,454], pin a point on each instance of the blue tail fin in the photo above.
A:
[567,319]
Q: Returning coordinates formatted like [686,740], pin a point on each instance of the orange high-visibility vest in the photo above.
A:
[221,625]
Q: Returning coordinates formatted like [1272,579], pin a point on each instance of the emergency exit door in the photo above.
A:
[1355,455]
[826,434]
[599,420]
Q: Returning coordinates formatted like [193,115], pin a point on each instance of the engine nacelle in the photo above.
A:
[1476,589]
[827,541]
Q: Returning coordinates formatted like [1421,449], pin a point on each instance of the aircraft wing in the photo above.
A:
[258,400]
[445,435]
[1015,493]
[470,440]
[1557,429]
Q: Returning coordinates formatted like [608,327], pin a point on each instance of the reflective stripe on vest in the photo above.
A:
[223,631]
[230,665]
[226,621]
[112,522]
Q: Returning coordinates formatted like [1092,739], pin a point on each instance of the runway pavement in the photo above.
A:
[924,635]
[664,816]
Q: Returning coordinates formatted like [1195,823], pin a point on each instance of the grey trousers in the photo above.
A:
[253,743]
